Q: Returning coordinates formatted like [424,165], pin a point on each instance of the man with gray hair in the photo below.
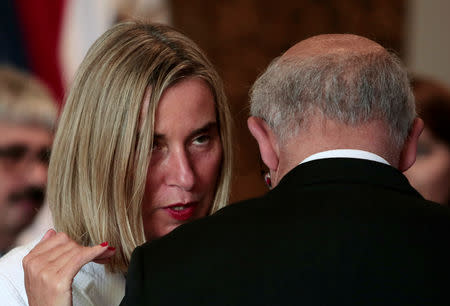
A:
[335,122]
[27,119]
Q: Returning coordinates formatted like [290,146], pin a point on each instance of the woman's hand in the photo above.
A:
[52,264]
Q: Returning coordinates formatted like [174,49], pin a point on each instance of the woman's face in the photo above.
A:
[186,158]
[430,174]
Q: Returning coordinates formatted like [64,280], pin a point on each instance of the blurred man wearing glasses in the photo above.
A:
[27,119]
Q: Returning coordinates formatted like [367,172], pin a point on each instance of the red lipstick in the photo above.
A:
[180,211]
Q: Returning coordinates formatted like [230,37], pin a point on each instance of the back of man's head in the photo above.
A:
[27,120]
[344,86]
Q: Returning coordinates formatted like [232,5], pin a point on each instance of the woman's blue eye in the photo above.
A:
[201,139]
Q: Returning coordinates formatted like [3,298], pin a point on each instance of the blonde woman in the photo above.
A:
[143,146]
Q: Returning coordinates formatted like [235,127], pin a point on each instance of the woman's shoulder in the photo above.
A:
[93,285]
[12,287]
[11,262]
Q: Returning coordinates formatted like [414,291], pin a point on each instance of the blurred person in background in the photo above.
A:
[430,174]
[27,119]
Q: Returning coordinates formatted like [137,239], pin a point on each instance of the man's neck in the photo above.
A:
[346,153]
[327,135]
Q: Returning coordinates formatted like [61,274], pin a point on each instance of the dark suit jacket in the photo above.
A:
[333,232]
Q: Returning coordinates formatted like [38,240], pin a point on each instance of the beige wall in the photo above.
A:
[428,38]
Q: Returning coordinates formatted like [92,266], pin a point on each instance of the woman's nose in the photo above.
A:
[180,171]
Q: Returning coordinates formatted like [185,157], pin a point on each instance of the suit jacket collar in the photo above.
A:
[346,170]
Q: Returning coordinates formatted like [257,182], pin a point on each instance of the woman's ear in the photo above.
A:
[267,143]
[409,151]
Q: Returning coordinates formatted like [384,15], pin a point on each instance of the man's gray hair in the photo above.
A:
[24,100]
[351,88]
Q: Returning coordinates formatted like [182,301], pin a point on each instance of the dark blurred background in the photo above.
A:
[50,37]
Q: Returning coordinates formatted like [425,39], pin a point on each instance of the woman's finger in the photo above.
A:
[53,257]
[49,243]
[51,232]
[80,258]
[104,258]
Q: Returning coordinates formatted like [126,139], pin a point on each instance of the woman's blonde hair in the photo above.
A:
[101,152]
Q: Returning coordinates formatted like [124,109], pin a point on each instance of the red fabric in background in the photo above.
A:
[40,22]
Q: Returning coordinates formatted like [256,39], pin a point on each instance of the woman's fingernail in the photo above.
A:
[103,244]
[111,248]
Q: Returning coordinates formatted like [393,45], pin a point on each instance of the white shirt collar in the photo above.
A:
[346,153]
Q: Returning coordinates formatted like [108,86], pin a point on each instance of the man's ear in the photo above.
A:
[266,141]
[409,151]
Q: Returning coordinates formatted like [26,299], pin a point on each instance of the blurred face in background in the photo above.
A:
[430,174]
[186,158]
[24,153]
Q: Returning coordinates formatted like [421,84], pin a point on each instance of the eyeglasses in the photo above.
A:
[18,157]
